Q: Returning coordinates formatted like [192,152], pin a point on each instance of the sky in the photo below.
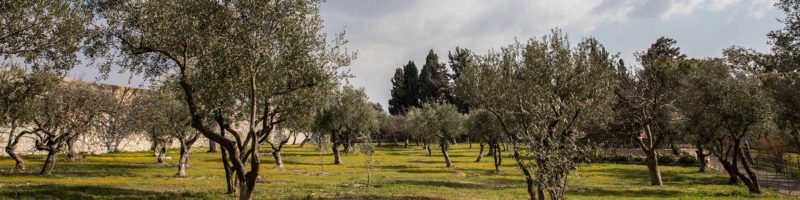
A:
[389,33]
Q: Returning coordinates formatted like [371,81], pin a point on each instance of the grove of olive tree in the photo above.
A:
[236,68]
[543,92]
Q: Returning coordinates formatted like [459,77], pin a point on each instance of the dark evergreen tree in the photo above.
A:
[459,60]
[433,81]
[397,102]
[411,87]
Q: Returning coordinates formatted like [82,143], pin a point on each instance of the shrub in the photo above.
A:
[667,159]
[688,160]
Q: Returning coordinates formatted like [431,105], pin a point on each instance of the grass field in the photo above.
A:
[402,174]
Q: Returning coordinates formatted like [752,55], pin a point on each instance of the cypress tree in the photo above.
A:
[434,84]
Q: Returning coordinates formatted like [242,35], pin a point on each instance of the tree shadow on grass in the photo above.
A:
[364,197]
[90,192]
[424,171]
[89,170]
[642,193]
[448,184]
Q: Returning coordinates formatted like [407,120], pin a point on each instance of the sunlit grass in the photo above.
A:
[402,174]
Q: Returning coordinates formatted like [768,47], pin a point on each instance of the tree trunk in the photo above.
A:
[540,191]
[701,158]
[652,167]
[480,153]
[229,175]
[526,172]
[246,191]
[406,143]
[469,142]
[212,147]
[675,150]
[20,164]
[162,155]
[445,154]
[278,161]
[336,159]
[753,186]
[184,161]
[428,147]
[303,143]
[347,146]
[498,160]
[49,162]
[72,154]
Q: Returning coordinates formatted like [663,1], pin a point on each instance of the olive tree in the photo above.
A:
[542,93]
[116,124]
[164,116]
[651,97]
[484,127]
[234,61]
[45,35]
[393,126]
[19,92]
[436,123]
[347,117]
[732,107]
[64,114]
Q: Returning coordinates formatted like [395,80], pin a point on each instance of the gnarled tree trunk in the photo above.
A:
[480,153]
[498,159]
[49,162]
[447,161]
[652,167]
[336,158]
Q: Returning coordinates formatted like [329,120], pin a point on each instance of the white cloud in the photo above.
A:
[390,33]
[680,8]
[759,8]
[719,5]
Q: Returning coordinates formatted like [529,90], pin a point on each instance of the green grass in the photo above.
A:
[402,174]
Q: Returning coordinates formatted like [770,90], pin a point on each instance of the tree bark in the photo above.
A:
[72,154]
[480,153]
[428,147]
[498,160]
[447,161]
[303,143]
[701,158]
[336,159]
[162,154]
[212,147]
[278,161]
[49,162]
[652,167]
[184,161]
[526,172]
[754,186]
[20,164]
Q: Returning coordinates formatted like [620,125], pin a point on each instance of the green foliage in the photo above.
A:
[542,92]
[46,34]
[434,84]
[435,123]
[348,116]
